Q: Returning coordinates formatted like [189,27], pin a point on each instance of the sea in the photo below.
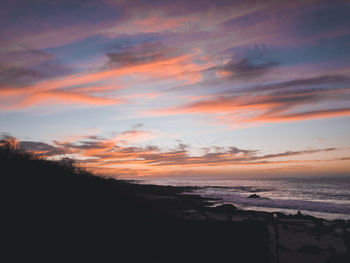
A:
[322,197]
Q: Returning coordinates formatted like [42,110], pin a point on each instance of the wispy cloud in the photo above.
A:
[298,99]
[232,63]
[143,53]
[41,148]
[244,69]
[111,154]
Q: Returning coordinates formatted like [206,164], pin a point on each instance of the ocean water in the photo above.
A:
[323,197]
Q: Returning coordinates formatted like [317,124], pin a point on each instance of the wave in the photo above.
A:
[248,189]
[243,200]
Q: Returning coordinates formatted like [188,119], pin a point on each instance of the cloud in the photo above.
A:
[111,155]
[330,16]
[28,78]
[137,126]
[151,24]
[94,143]
[293,100]
[29,66]
[246,63]
[316,114]
[245,69]
[42,24]
[319,80]
[241,62]
[134,136]
[144,53]
[41,148]
[53,97]
[292,153]
[178,24]
[90,88]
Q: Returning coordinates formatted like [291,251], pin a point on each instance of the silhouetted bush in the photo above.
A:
[10,148]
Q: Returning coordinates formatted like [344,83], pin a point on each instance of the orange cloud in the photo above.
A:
[316,114]
[112,155]
[77,88]
[151,24]
[56,97]
[134,136]
[180,67]
[292,100]
[152,161]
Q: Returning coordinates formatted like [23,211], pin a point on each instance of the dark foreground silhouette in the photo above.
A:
[52,211]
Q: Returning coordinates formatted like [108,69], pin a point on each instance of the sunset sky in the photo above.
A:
[180,88]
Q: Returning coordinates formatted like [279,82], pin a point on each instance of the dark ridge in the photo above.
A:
[54,211]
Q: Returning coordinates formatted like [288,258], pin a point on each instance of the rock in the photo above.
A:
[310,249]
[285,249]
[226,208]
[331,250]
[254,196]
[339,258]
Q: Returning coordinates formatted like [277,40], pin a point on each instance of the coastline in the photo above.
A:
[57,212]
[301,238]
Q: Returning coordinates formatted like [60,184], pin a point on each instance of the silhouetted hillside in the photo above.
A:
[54,211]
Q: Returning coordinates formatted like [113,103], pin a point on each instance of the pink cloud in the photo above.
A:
[293,100]
[110,156]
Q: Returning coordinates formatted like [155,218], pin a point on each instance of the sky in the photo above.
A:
[208,88]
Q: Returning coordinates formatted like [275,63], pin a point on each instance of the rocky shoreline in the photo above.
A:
[301,238]
[57,212]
